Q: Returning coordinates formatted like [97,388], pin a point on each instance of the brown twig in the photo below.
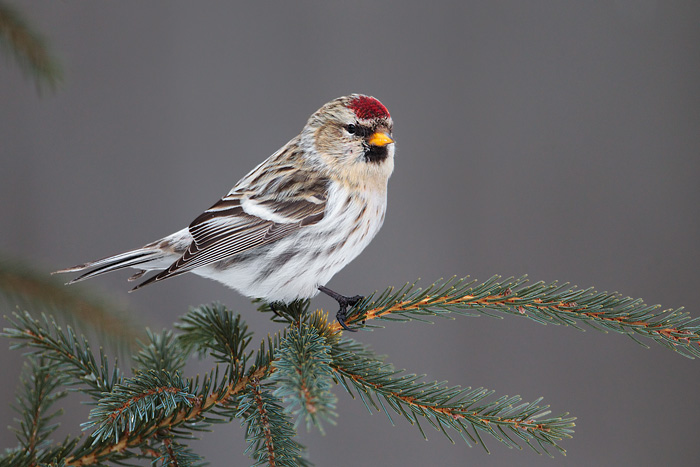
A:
[186,414]
[264,421]
[672,334]
[456,413]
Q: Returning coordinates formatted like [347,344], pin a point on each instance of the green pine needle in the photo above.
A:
[161,353]
[304,377]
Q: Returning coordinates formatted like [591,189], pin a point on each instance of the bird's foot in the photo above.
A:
[343,302]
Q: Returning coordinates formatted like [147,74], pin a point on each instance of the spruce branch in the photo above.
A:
[194,414]
[215,400]
[24,286]
[133,409]
[135,403]
[287,313]
[174,454]
[161,352]
[151,402]
[303,374]
[552,303]
[215,330]
[28,47]
[188,415]
[150,414]
[39,391]
[66,350]
[447,408]
[269,432]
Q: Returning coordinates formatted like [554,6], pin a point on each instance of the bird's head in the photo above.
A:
[351,137]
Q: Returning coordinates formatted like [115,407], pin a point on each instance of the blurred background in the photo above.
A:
[555,139]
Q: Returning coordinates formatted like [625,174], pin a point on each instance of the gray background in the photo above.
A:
[557,139]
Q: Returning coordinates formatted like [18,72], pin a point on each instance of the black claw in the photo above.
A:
[340,316]
[343,301]
[352,301]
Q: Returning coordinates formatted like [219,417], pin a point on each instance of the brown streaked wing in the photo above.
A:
[225,229]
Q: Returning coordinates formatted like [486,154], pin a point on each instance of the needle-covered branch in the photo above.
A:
[68,352]
[215,330]
[28,47]
[132,411]
[456,409]
[174,454]
[161,353]
[269,432]
[151,414]
[303,374]
[202,411]
[40,389]
[552,303]
[135,402]
[22,285]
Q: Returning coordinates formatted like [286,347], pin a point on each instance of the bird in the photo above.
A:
[288,226]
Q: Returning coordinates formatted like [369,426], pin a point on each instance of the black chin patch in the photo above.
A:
[376,154]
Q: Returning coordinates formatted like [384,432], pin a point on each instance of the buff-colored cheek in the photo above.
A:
[321,139]
[327,139]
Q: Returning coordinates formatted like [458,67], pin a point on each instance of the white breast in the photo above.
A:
[295,266]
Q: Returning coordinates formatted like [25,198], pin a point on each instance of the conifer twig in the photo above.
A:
[303,375]
[28,47]
[269,432]
[148,414]
[174,454]
[545,303]
[460,409]
[23,285]
[70,354]
[185,414]
[264,422]
[40,390]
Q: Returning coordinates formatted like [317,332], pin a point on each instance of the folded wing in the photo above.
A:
[242,221]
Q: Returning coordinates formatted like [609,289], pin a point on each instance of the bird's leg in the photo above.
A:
[343,301]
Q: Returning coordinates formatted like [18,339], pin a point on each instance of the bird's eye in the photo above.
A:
[351,129]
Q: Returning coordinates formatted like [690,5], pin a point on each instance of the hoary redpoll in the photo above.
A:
[298,218]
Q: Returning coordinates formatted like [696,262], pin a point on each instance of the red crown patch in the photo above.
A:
[368,108]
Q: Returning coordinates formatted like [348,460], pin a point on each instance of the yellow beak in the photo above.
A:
[379,139]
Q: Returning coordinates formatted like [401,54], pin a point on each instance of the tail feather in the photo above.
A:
[112,263]
[137,275]
[158,277]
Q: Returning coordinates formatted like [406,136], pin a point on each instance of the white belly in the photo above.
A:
[295,266]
